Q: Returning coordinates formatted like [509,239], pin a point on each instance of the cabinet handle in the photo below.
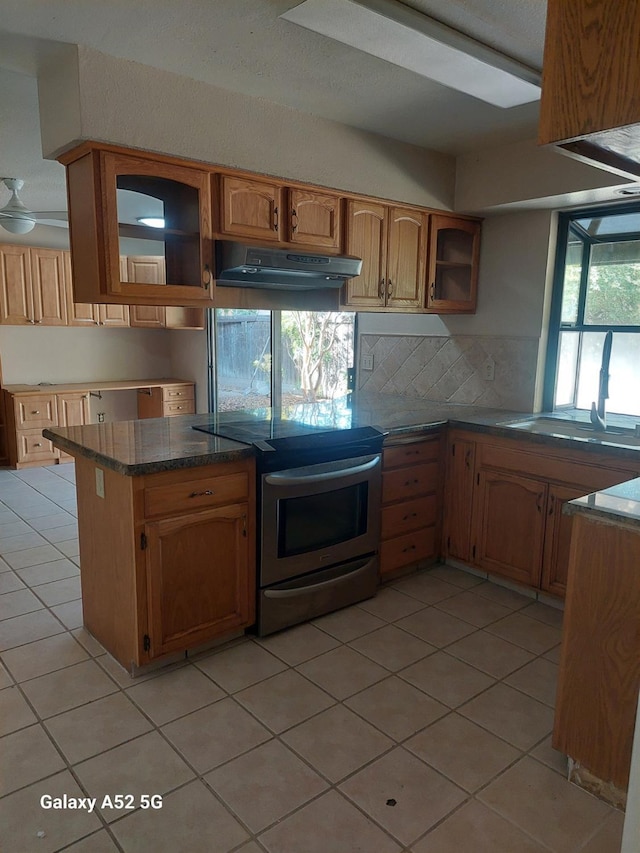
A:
[432,291]
[39,321]
[389,287]
[412,482]
[30,321]
[408,548]
[381,289]
[539,501]
[412,453]
[275,218]
[294,216]
[467,459]
[201,494]
[38,444]
[206,277]
[178,408]
[410,515]
[35,412]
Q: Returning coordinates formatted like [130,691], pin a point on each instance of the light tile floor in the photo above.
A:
[416,722]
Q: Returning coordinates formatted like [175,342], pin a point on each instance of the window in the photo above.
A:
[273,358]
[597,288]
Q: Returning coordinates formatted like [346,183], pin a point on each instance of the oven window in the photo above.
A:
[313,522]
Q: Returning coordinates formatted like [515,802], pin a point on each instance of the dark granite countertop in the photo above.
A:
[162,444]
[618,504]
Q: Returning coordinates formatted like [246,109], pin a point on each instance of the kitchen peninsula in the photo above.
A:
[157,496]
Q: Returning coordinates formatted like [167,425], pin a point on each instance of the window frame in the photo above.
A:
[567,221]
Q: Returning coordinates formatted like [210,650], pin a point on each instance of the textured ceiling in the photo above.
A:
[242,45]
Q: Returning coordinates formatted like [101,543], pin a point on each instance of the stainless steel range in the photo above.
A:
[318,513]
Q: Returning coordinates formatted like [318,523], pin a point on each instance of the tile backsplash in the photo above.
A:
[452,369]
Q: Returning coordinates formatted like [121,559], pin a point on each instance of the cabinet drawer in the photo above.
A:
[179,407]
[196,494]
[404,550]
[408,483]
[33,447]
[177,392]
[411,453]
[37,411]
[409,515]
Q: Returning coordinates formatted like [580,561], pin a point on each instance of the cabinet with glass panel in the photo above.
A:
[165,206]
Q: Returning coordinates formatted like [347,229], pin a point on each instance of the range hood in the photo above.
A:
[239,265]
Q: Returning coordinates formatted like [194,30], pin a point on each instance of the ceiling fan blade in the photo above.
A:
[51,214]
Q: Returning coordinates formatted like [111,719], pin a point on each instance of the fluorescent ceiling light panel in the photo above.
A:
[404,37]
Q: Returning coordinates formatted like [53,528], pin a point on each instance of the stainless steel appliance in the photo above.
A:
[318,515]
[239,265]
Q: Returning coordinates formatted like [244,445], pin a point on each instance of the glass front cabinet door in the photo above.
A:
[454,248]
[121,206]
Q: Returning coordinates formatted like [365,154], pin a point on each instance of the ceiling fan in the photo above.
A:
[16,217]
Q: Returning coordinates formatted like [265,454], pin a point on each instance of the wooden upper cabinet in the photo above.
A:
[315,219]
[454,249]
[392,243]
[16,295]
[367,239]
[590,102]
[32,286]
[406,258]
[250,209]
[109,192]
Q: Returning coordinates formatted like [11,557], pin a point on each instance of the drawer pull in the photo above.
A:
[35,412]
[412,453]
[412,482]
[408,548]
[178,408]
[38,444]
[201,494]
[410,515]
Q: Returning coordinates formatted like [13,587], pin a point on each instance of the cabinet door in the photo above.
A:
[78,313]
[16,295]
[315,219]
[558,539]
[454,249]
[367,239]
[179,197]
[458,500]
[198,583]
[48,283]
[250,209]
[113,315]
[407,257]
[73,408]
[147,316]
[509,519]
[150,403]
[184,318]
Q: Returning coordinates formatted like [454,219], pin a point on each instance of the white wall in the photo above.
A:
[133,105]
[66,354]
[188,359]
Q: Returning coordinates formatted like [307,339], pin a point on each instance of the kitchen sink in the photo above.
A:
[572,429]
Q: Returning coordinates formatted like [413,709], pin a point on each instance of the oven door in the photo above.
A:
[318,516]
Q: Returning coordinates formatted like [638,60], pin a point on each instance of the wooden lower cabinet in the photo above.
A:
[73,410]
[599,674]
[162,577]
[509,517]
[410,503]
[504,503]
[166,401]
[188,608]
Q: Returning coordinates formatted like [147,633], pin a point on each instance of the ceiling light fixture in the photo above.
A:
[16,217]
[400,35]
[151,221]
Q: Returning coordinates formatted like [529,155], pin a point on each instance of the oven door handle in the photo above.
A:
[296,591]
[281,478]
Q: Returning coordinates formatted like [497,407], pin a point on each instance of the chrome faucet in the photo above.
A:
[598,415]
